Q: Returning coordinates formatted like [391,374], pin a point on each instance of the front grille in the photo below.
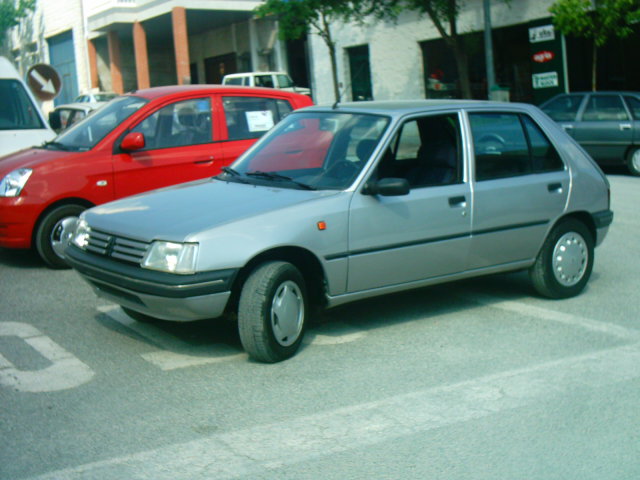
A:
[121,248]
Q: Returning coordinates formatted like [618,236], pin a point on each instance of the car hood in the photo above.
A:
[29,158]
[178,212]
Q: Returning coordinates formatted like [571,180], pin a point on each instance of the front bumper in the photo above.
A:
[161,295]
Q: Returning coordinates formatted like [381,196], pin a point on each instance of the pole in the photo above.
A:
[488,48]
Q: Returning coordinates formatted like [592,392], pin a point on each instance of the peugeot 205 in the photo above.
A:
[342,203]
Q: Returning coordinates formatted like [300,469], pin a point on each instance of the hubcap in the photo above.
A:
[635,160]
[61,234]
[287,313]
[570,259]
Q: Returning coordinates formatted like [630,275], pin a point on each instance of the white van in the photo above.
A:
[22,123]
[280,80]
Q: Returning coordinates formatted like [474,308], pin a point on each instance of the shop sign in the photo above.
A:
[541,34]
[545,80]
[543,56]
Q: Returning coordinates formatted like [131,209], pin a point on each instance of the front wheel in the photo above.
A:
[52,232]
[272,312]
[633,162]
[564,264]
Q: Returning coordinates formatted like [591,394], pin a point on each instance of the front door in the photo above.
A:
[425,234]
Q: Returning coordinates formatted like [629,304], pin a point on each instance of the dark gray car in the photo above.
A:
[340,204]
[606,124]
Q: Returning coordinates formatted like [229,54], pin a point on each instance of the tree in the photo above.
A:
[598,20]
[297,17]
[11,12]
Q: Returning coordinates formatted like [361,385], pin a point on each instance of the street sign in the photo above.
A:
[44,81]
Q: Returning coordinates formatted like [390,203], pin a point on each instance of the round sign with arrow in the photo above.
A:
[44,81]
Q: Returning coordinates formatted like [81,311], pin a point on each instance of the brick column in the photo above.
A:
[114,62]
[93,65]
[142,58]
[181,44]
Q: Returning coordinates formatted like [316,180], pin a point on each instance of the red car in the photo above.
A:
[139,141]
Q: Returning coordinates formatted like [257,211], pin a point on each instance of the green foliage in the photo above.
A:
[599,20]
[11,12]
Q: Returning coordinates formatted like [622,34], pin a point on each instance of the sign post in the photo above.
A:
[44,81]
[547,60]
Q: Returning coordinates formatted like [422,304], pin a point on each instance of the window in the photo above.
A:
[284,81]
[250,117]
[634,105]
[425,152]
[264,81]
[17,111]
[509,145]
[563,108]
[176,125]
[603,108]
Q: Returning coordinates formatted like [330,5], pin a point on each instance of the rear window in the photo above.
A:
[251,117]
[17,111]
[564,108]
[233,81]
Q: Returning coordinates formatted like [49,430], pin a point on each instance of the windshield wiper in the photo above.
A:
[277,176]
[232,173]
[56,146]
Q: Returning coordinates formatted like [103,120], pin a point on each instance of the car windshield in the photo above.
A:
[86,134]
[312,150]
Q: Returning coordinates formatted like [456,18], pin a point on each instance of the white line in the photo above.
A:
[254,451]
[555,316]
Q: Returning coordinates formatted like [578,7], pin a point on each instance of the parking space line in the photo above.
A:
[256,450]
[525,309]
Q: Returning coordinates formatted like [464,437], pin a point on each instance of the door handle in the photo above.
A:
[625,126]
[567,128]
[204,161]
[554,187]
[460,201]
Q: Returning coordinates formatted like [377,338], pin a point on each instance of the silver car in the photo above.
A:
[342,203]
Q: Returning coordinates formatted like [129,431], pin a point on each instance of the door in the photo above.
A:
[426,233]
[521,186]
[605,129]
[360,73]
[63,59]
[217,67]
[179,147]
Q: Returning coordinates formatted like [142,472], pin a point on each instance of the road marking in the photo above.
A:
[525,309]
[168,358]
[257,450]
[66,371]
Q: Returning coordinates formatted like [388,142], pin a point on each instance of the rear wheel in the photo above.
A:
[272,312]
[633,161]
[564,264]
[52,233]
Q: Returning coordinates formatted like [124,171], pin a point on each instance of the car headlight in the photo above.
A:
[171,257]
[80,237]
[13,183]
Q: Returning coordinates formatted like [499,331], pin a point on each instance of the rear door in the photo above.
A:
[520,187]
[605,128]
[179,147]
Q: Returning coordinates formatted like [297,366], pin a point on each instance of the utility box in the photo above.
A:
[499,94]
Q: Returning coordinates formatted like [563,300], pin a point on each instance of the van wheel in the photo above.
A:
[564,264]
[51,232]
[272,312]
[633,161]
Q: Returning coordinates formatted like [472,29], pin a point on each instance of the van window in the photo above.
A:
[17,111]
[233,81]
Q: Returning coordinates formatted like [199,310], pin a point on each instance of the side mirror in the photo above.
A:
[133,141]
[54,120]
[387,187]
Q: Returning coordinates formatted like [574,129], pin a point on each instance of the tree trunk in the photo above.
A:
[462,64]
[334,70]
[594,63]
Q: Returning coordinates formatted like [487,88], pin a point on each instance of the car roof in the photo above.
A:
[177,90]
[403,107]
[79,105]
[605,92]
[246,74]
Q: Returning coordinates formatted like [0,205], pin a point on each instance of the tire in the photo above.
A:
[140,317]
[272,312]
[564,264]
[48,237]
[633,162]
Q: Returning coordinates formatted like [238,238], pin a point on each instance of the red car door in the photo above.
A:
[179,146]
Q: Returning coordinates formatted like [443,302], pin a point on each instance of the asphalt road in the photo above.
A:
[479,379]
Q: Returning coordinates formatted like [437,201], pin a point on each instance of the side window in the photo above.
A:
[426,152]
[634,105]
[603,108]
[500,145]
[264,81]
[177,125]
[544,156]
[284,81]
[251,117]
[564,108]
